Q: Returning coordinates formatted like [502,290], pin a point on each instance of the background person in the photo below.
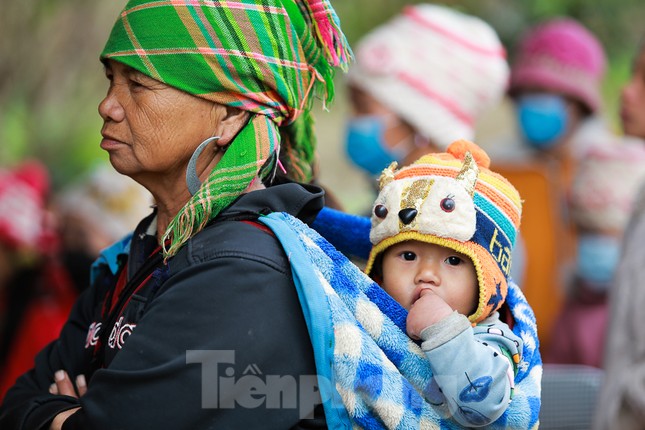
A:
[420,81]
[36,294]
[555,86]
[604,187]
[621,403]
[92,213]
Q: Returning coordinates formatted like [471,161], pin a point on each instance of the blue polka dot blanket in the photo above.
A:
[371,374]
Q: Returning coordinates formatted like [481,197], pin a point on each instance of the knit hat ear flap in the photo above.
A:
[480,221]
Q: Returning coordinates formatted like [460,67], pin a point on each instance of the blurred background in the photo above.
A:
[51,80]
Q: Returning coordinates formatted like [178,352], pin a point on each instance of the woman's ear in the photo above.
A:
[231,122]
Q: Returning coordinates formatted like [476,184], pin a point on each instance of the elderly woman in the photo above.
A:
[193,321]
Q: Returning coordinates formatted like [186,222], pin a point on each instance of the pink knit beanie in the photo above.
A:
[560,55]
[435,67]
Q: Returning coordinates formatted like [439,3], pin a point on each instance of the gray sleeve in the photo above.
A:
[473,374]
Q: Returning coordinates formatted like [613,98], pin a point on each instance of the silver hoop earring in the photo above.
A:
[192,180]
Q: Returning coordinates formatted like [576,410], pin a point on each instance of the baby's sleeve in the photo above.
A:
[473,368]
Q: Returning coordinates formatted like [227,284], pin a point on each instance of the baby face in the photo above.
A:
[412,266]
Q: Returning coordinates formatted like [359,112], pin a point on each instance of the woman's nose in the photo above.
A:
[110,108]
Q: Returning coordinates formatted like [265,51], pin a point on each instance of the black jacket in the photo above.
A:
[215,339]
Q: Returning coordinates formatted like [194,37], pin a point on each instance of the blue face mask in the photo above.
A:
[542,119]
[365,144]
[598,256]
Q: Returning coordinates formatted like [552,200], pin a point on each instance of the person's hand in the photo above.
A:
[64,386]
[428,309]
[57,423]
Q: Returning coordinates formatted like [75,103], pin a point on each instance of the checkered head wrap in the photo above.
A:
[270,58]
[452,199]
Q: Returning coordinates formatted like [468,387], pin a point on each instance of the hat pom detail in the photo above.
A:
[459,148]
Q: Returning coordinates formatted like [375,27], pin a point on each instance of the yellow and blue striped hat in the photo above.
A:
[452,199]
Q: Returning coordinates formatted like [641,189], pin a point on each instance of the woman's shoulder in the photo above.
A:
[246,238]
[237,233]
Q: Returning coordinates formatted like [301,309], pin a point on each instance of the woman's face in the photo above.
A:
[632,101]
[150,129]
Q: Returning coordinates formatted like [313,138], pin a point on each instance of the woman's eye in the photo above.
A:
[409,256]
[135,84]
[454,261]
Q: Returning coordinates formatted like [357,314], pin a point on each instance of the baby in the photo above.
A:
[442,233]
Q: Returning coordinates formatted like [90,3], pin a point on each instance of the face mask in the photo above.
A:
[598,256]
[542,119]
[365,144]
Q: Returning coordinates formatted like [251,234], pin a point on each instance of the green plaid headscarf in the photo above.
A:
[268,57]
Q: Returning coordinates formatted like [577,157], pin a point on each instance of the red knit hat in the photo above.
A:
[22,206]
[561,55]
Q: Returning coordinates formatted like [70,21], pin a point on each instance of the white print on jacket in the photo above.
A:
[119,333]
[93,334]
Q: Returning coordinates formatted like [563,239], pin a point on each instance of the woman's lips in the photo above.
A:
[108,143]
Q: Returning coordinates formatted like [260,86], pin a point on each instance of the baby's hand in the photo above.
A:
[428,309]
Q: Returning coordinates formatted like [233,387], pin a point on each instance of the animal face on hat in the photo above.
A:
[435,205]
[452,199]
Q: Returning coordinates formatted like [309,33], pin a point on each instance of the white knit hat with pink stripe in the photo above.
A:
[607,181]
[436,68]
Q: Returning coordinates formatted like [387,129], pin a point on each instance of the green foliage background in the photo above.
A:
[51,80]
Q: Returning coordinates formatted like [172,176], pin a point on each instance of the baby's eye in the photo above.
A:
[408,255]
[454,260]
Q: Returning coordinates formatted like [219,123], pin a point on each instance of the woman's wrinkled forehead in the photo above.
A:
[111,66]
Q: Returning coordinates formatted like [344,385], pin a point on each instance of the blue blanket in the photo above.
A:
[371,374]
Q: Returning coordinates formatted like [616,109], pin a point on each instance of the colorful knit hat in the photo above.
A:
[271,58]
[452,199]
[108,200]
[560,55]
[436,68]
[606,183]
[23,219]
